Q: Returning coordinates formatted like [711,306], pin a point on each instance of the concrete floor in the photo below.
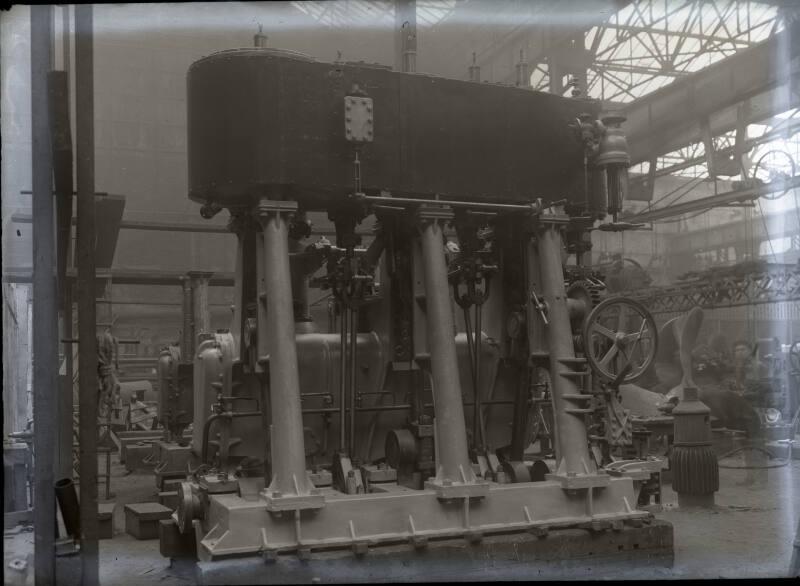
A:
[748,534]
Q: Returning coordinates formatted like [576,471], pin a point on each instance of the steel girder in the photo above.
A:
[729,287]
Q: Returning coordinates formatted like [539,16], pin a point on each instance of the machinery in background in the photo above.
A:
[471,391]
[172,454]
[623,275]
[768,389]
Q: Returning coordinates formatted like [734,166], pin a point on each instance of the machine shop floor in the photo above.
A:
[748,534]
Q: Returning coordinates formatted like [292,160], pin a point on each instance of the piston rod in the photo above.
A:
[506,207]
[351,446]
[343,377]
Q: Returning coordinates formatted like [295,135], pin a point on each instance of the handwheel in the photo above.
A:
[794,356]
[620,334]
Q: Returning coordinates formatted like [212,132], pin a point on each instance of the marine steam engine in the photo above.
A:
[468,386]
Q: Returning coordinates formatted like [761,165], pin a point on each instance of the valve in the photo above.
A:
[539,305]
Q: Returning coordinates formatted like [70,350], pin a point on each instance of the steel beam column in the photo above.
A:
[45,330]
[451,434]
[289,477]
[87,348]
[573,455]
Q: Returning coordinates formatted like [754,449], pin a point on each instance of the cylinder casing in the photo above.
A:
[271,123]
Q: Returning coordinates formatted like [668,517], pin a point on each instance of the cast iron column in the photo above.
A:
[45,329]
[237,226]
[201,317]
[289,477]
[573,454]
[451,433]
[187,339]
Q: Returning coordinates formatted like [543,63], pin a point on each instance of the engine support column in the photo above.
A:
[575,467]
[291,488]
[454,476]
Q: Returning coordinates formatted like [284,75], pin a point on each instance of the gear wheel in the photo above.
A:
[588,290]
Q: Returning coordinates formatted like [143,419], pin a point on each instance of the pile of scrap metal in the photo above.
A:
[471,392]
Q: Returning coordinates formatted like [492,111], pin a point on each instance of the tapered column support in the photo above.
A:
[290,488]
[575,468]
[454,475]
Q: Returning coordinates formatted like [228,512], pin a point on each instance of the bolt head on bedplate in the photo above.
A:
[278,502]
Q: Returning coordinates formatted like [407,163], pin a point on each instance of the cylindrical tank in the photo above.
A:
[168,388]
[212,364]
[270,123]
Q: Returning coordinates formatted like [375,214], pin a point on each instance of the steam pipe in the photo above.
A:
[403,407]
[213,418]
